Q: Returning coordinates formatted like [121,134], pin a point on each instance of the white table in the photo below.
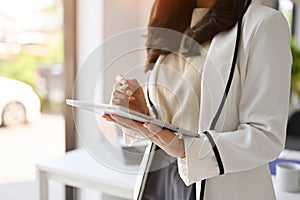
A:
[78,169]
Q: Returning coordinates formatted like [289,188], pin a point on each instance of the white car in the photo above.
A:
[18,103]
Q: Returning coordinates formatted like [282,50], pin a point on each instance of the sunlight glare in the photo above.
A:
[19,8]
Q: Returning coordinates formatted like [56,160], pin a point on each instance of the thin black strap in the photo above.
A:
[216,152]
[151,103]
[218,113]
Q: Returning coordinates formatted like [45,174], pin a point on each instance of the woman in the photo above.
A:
[229,159]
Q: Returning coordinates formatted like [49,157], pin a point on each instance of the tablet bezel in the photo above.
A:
[102,108]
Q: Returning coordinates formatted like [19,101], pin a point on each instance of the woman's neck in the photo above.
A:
[205,3]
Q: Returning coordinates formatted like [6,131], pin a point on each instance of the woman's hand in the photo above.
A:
[128,93]
[164,138]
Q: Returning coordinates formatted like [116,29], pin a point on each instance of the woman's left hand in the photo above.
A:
[163,138]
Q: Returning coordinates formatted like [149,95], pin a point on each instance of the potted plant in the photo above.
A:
[295,68]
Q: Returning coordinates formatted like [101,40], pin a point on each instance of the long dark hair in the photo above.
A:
[176,15]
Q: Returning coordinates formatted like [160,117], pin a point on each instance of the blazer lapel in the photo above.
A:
[215,75]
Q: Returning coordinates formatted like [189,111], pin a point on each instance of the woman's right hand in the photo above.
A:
[128,93]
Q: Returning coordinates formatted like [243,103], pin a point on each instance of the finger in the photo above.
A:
[120,95]
[124,125]
[161,137]
[124,85]
[120,102]
[124,88]
[149,134]
[119,98]
[119,87]
[108,118]
[153,131]
[134,125]
[152,128]
[120,79]
[133,84]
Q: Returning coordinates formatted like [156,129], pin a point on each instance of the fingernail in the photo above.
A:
[129,93]
[121,79]
[147,124]
[132,98]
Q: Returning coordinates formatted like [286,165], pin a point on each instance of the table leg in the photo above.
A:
[42,185]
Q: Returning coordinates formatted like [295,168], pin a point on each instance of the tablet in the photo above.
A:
[101,109]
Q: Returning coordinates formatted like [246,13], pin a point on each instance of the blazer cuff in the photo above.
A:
[200,161]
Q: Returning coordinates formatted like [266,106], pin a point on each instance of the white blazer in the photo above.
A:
[251,129]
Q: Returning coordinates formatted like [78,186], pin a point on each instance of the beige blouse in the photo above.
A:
[177,87]
[178,83]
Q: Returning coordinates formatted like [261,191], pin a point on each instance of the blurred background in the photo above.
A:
[31,89]
[43,43]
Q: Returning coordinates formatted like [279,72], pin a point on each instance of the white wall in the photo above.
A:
[103,43]
[89,27]
[89,37]
[99,24]
[122,18]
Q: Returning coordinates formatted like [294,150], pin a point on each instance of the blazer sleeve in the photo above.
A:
[263,109]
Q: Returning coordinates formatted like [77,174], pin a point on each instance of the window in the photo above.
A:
[287,8]
[31,56]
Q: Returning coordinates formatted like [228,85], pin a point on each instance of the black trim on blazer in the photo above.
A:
[221,106]
[216,152]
